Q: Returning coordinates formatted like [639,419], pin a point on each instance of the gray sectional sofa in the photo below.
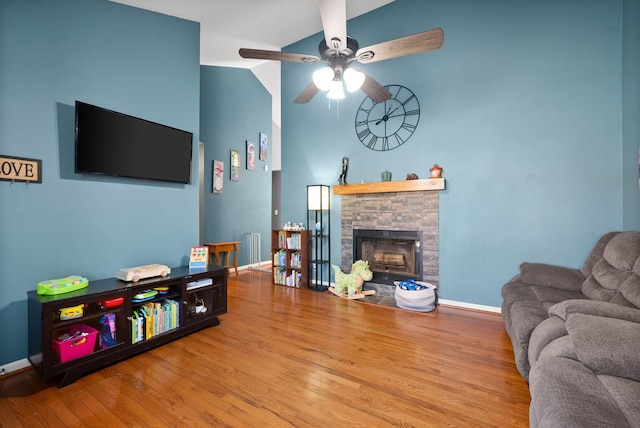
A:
[576,336]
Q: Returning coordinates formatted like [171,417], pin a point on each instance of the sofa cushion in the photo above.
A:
[596,253]
[518,292]
[565,393]
[625,392]
[606,345]
[564,309]
[550,276]
[615,277]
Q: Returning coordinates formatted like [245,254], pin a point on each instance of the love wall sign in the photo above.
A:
[20,169]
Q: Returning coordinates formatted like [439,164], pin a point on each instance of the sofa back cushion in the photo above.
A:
[596,253]
[615,277]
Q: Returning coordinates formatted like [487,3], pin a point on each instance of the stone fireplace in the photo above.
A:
[393,207]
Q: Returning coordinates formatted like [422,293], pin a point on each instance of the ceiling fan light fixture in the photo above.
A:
[323,78]
[353,79]
[336,91]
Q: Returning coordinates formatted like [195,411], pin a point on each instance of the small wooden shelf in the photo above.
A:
[390,186]
[290,257]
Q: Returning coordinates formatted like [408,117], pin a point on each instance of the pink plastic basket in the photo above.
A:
[68,350]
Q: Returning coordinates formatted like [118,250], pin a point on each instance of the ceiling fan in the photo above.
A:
[339,51]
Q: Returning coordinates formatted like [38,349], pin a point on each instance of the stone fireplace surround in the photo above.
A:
[401,210]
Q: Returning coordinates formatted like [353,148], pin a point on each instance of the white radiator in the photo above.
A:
[255,257]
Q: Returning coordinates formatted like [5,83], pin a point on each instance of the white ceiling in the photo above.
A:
[228,25]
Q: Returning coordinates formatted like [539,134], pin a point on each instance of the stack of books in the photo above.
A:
[154,318]
[280,275]
[279,258]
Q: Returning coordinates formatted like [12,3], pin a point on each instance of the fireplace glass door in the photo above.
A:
[393,255]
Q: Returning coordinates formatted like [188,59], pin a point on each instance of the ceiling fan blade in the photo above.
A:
[277,56]
[333,14]
[308,93]
[374,90]
[409,45]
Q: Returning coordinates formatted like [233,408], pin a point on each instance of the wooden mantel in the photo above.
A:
[390,186]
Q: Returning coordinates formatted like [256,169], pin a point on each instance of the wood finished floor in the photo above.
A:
[285,357]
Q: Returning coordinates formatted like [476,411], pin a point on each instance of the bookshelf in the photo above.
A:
[290,255]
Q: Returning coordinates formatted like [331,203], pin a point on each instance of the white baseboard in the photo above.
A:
[14,366]
[262,267]
[464,305]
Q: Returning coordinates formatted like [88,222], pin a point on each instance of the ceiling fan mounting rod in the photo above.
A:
[338,63]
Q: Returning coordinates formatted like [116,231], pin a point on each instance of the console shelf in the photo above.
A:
[179,312]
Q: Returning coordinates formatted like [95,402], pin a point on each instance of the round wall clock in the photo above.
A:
[389,124]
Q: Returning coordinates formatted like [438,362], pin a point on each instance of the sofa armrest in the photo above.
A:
[607,346]
[551,276]
[546,332]
[594,307]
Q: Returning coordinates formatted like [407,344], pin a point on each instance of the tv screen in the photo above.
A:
[112,143]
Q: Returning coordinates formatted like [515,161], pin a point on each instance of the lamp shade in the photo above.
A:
[318,197]
[353,79]
[336,91]
[322,78]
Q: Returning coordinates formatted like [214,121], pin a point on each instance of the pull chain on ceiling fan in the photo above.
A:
[338,51]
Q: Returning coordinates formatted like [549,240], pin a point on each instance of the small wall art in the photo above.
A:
[235,165]
[218,176]
[26,170]
[263,146]
[251,156]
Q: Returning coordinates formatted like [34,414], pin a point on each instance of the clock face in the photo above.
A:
[387,125]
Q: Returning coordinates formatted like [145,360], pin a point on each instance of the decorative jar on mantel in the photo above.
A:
[435,171]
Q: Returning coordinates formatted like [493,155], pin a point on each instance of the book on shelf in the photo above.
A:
[279,275]
[134,327]
[154,318]
[293,241]
[282,239]
[293,280]
[280,258]
[296,260]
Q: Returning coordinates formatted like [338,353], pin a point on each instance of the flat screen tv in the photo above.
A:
[112,143]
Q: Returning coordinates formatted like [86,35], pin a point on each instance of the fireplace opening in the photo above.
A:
[393,255]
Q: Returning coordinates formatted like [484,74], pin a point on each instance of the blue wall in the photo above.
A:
[522,107]
[126,59]
[234,108]
[631,113]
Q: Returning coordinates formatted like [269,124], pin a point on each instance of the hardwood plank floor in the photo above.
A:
[285,357]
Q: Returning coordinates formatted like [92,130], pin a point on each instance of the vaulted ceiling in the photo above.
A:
[228,25]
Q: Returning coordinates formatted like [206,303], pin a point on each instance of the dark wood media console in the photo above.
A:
[191,301]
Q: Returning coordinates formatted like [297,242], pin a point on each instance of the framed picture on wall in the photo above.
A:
[263,146]
[218,176]
[251,156]
[235,165]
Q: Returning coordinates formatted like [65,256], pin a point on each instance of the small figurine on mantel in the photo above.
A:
[342,180]
[436,171]
[412,176]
